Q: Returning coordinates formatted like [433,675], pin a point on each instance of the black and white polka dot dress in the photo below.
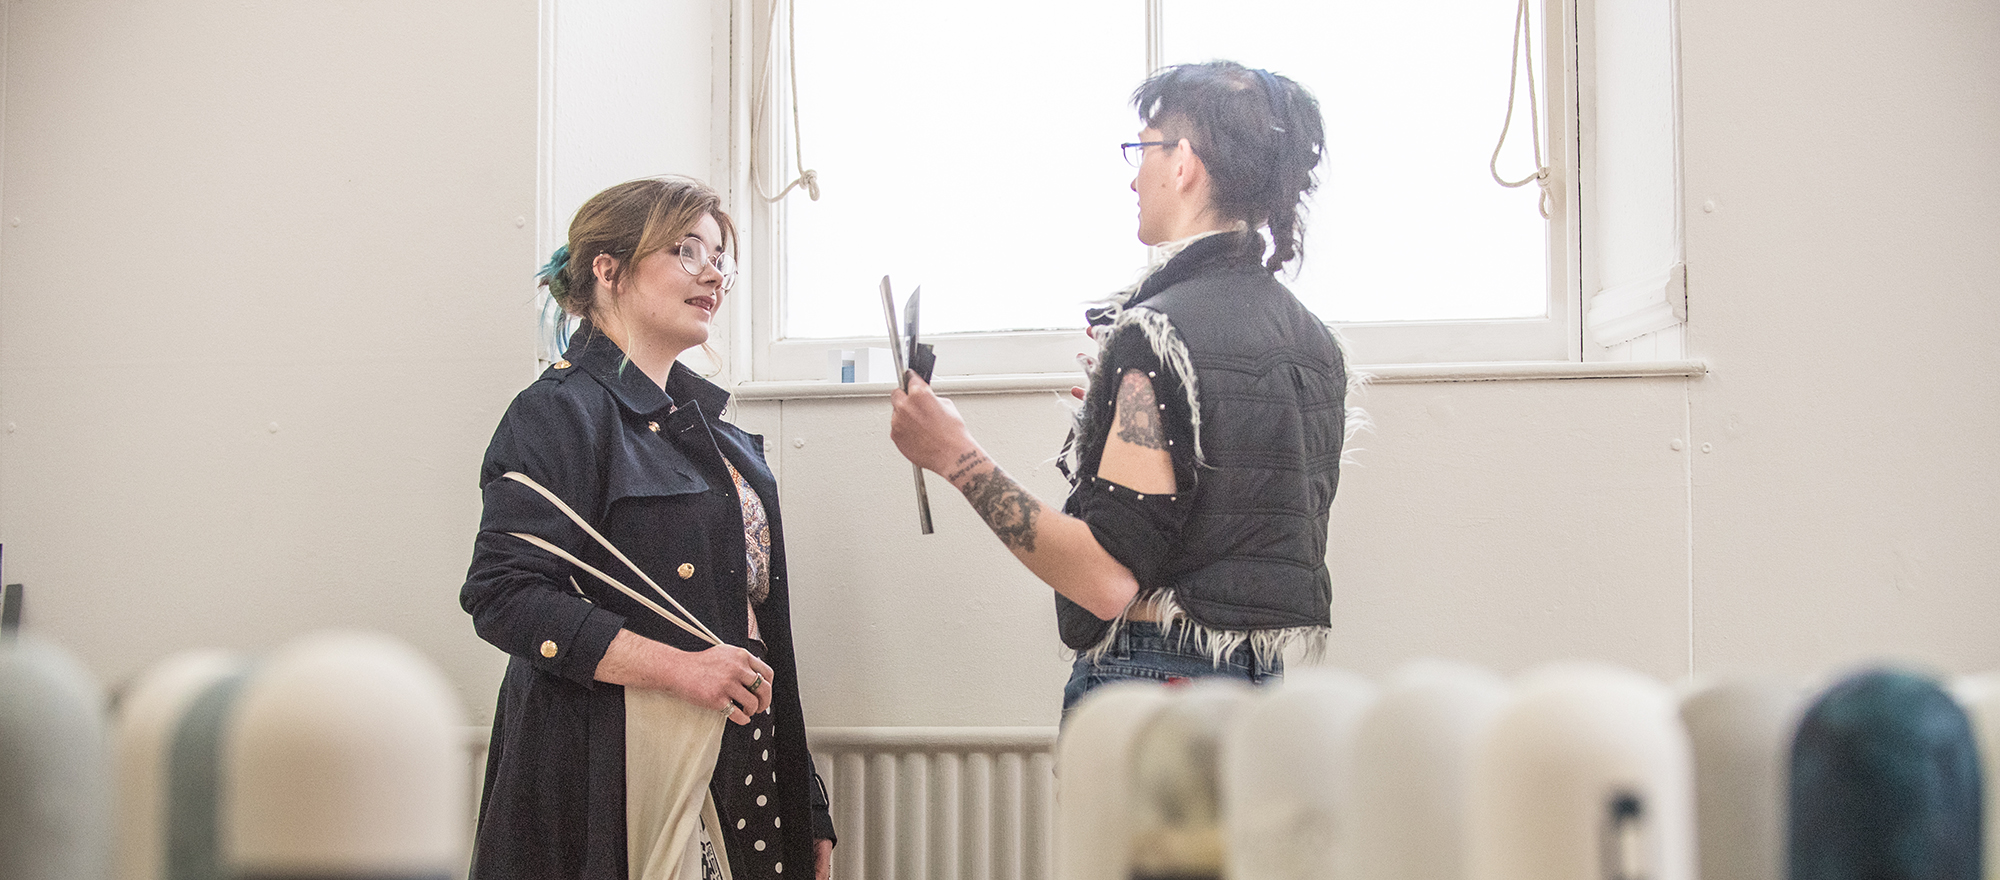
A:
[747,768]
[748,804]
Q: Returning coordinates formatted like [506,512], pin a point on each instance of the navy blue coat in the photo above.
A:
[646,469]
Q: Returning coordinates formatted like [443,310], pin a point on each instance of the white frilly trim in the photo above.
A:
[1357,419]
[1166,344]
[1268,646]
[1161,256]
[1172,351]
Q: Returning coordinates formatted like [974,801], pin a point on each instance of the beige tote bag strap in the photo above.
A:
[690,623]
[714,821]
[638,597]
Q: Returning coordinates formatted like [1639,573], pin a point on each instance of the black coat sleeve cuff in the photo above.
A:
[821,805]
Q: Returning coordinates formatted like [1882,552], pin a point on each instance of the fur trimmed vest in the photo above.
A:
[1253,388]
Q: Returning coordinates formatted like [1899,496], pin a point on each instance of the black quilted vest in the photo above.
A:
[1271,387]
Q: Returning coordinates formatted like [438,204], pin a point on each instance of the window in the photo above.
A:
[1412,246]
[1004,195]
[971,149]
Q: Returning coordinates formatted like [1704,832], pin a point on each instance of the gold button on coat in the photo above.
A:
[561,365]
[548,649]
[686,570]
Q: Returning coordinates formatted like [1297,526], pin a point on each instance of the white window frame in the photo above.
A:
[1634,311]
[1629,150]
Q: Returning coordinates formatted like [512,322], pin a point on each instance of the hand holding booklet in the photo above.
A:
[919,359]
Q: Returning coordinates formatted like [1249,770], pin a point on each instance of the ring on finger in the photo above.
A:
[756,683]
[729,709]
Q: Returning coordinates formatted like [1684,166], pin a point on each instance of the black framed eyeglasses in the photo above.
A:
[694,255]
[1135,152]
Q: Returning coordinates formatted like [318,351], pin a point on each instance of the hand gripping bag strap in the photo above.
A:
[638,597]
[670,744]
[696,626]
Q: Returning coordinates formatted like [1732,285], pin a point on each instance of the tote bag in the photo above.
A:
[670,744]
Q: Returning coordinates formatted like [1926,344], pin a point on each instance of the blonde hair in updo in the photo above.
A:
[629,222]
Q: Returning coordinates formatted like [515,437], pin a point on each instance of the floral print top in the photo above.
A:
[756,538]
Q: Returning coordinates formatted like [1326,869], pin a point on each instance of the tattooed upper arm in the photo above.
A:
[1136,454]
[1139,412]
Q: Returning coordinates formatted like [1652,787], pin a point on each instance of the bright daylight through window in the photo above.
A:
[973,149]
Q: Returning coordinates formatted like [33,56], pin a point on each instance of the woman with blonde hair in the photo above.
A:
[631,441]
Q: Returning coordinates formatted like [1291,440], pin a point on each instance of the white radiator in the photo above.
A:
[926,803]
[940,803]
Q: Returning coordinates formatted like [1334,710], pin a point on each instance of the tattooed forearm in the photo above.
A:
[1139,413]
[1008,509]
[965,464]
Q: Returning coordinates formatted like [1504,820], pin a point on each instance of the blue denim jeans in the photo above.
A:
[1143,652]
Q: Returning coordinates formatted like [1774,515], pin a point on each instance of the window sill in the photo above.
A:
[1416,374]
[1379,374]
[1002,383]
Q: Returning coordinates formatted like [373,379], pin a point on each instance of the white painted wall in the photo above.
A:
[239,214]
[265,284]
[632,97]
[1852,504]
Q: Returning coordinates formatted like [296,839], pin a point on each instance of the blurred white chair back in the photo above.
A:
[1288,776]
[166,755]
[1093,780]
[1176,766]
[1413,757]
[1585,775]
[342,759]
[55,788]
[1741,733]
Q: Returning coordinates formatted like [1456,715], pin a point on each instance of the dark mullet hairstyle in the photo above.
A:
[1259,135]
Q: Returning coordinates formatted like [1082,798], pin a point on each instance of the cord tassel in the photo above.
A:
[1516,61]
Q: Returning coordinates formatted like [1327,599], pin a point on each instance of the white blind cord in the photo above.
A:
[1515,62]
[808,178]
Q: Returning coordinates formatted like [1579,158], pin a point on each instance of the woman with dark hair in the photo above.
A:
[631,440]
[1205,457]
